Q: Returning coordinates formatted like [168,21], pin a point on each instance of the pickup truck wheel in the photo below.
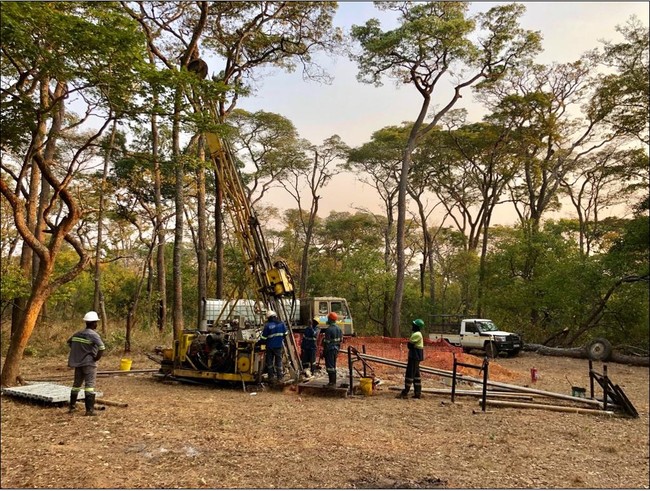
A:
[599,349]
[466,350]
[491,350]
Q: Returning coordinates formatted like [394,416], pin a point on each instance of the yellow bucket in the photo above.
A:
[366,386]
[125,364]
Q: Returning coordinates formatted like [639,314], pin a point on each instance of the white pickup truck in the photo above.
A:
[477,334]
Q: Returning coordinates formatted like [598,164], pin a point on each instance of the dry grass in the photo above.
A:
[187,436]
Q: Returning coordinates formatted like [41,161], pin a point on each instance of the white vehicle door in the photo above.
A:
[472,337]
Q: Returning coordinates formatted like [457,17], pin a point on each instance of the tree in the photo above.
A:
[51,54]
[247,36]
[313,177]
[268,147]
[376,163]
[607,178]
[624,94]
[432,41]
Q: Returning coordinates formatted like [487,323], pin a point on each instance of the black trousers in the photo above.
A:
[412,377]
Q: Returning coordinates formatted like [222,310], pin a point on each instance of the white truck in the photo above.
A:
[473,333]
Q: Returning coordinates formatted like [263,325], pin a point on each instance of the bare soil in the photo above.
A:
[175,435]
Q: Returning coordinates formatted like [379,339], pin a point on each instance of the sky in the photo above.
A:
[354,110]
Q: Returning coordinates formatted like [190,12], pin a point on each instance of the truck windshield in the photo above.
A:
[487,326]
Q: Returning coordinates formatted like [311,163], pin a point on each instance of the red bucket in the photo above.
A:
[534,375]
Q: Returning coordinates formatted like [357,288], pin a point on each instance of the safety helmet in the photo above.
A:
[271,313]
[419,323]
[316,320]
[91,316]
[332,316]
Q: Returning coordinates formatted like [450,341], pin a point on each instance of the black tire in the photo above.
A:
[599,349]
[514,352]
[491,350]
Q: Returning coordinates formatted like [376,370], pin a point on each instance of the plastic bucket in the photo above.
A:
[578,392]
[365,384]
[125,364]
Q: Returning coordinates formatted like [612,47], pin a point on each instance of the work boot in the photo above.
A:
[89,399]
[417,396]
[332,377]
[402,395]
[73,401]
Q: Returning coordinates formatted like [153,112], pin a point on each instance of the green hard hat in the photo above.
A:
[418,323]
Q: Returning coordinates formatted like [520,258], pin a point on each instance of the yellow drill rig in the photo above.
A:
[228,351]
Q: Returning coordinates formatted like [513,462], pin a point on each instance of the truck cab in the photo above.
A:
[319,307]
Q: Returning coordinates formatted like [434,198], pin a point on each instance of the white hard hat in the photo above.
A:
[271,313]
[91,316]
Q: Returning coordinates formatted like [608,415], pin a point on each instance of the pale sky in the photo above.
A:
[354,110]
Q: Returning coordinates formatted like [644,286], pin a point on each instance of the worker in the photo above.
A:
[308,346]
[331,344]
[86,348]
[273,336]
[416,355]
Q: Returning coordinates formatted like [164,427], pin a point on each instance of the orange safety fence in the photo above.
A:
[437,354]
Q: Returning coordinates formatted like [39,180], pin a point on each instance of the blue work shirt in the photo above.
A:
[309,338]
[274,333]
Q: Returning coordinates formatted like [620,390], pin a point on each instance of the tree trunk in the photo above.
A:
[161,270]
[581,352]
[20,303]
[133,309]
[218,237]
[304,266]
[179,198]
[98,248]
[401,237]
[201,253]
[19,340]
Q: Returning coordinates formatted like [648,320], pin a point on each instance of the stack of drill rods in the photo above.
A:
[447,373]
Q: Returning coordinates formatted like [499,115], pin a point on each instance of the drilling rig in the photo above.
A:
[229,351]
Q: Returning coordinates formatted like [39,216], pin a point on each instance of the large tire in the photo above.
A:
[491,350]
[599,349]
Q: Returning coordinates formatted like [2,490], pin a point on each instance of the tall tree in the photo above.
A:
[312,179]
[434,41]
[624,94]
[245,37]
[178,28]
[51,54]
[376,163]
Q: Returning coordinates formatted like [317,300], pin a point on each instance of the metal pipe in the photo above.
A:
[447,373]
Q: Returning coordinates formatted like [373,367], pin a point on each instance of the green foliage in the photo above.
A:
[13,284]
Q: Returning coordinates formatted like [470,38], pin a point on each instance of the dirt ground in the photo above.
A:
[175,435]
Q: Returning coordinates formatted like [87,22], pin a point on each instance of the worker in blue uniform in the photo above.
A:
[308,346]
[273,336]
[332,338]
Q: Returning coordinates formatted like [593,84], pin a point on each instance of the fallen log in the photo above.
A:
[565,409]
[111,403]
[581,352]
